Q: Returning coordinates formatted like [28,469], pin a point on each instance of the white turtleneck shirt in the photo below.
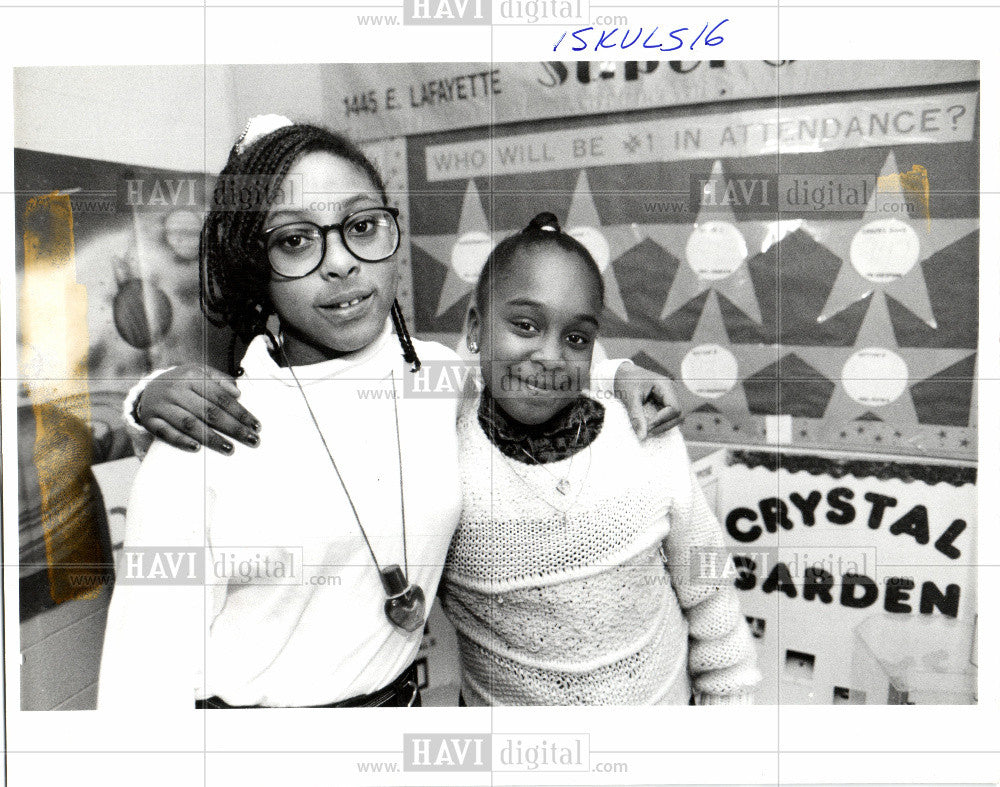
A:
[289,611]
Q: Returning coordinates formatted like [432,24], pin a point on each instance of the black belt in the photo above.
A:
[403,692]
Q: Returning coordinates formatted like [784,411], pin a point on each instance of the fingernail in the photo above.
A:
[255,424]
[251,438]
[227,448]
[191,446]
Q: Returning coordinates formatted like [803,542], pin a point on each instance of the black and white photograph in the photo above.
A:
[528,386]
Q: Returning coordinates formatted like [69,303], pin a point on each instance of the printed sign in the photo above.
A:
[395,99]
[851,569]
[790,129]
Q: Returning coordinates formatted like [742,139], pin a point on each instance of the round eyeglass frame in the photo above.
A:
[324,229]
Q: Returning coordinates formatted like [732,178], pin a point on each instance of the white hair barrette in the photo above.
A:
[257,127]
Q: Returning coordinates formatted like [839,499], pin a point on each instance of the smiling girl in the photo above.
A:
[571,578]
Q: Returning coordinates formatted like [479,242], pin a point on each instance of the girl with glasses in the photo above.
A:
[314,556]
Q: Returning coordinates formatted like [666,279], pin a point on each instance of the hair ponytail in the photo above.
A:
[543,222]
[542,230]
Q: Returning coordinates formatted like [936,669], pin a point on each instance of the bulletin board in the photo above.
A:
[851,328]
[774,321]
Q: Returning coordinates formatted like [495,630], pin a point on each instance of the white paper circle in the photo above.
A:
[709,370]
[596,244]
[875,376]
[469,254]
[715,249]
[885,249]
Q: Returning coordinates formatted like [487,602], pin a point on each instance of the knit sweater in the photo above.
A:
[567,599]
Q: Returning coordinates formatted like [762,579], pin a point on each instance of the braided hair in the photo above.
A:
[234,271]
[543,230]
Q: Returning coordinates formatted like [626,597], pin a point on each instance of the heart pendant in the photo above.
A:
[405,606]
[562,487]
[407,610]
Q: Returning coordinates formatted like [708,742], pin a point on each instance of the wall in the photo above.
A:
[168,117]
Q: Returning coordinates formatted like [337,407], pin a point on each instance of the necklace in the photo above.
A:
[562,482]
[564,512]
[405,604]
[505,437]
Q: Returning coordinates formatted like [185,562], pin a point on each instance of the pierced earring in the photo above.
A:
[473,346]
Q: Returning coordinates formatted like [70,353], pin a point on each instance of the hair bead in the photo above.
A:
[409,351]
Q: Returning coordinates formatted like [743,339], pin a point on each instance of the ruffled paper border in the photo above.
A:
[956,475]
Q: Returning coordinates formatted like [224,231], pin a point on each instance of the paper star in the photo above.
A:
[606,245]
[715,253]
[706,369]
[880,372]
[883,251]
[462,252]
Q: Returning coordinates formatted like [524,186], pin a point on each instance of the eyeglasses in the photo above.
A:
[297,249]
